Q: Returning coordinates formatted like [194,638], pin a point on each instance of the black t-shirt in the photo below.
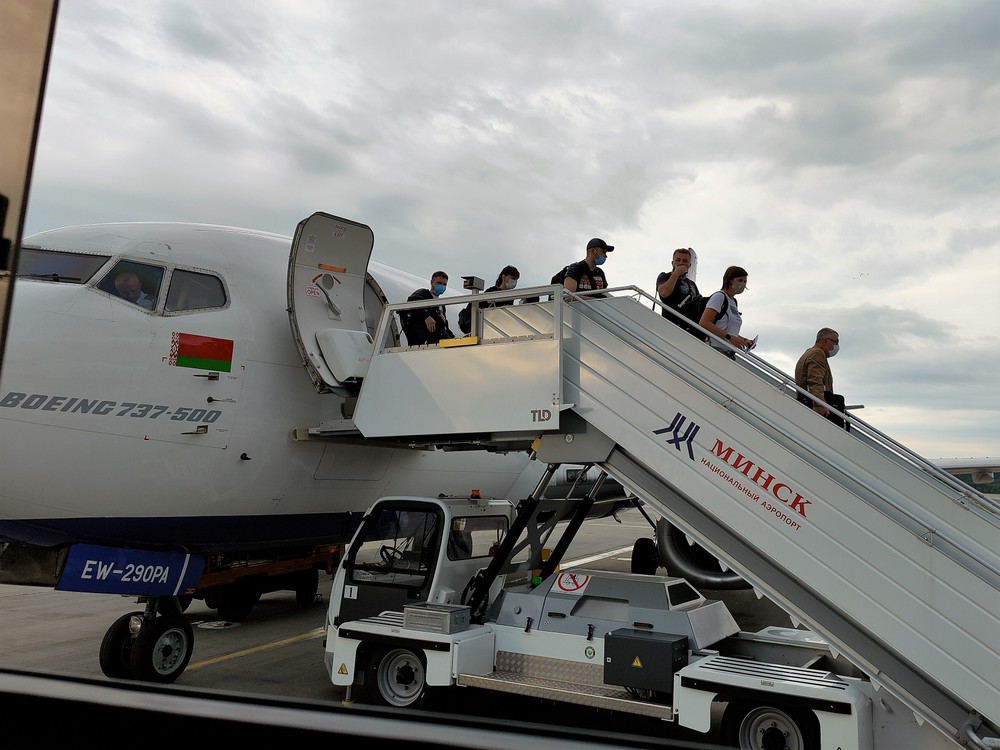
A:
[685,290]
[587,280]
[684,299]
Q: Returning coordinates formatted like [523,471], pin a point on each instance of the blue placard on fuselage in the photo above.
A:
[113,570]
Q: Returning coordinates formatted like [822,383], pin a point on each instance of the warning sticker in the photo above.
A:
[571,583]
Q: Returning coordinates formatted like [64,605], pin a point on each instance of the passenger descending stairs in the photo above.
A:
[894,562]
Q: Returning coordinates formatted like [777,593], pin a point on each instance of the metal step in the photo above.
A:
[608,697]
[565,681]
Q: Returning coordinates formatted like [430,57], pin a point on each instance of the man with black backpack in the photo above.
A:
[678,291]
[586,275]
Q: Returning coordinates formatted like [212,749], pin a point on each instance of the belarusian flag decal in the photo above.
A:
[201,352]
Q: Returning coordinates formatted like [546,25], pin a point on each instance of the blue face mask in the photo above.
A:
[599,260]
[511,283]
[439,288]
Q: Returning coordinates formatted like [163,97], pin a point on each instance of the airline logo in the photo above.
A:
[743,472]
[201,352]
[686,438]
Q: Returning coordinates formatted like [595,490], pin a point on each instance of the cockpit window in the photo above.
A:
[194,291]
[70,268]
[137,283]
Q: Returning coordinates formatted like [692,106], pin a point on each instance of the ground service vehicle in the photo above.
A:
[643,644]
[889,563]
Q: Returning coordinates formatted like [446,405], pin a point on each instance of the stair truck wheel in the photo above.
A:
[751,726]
[395,677]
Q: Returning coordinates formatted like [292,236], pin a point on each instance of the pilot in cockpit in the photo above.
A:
[129,287]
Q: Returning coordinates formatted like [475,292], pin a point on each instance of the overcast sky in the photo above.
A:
[847,154]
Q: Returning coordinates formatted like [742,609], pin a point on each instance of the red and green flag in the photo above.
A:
[201,352]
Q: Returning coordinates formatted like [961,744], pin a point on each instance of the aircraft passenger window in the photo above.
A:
[72,268]
[194,291]
[133,282]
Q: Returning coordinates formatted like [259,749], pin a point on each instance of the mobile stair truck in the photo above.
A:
[890,566]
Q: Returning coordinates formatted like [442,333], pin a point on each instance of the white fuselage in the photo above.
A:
[106,437]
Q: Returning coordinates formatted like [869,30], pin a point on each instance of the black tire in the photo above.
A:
[306,588]
[162,649]
[235,604]
[757,726]
[116,649]
[645,558]
[396,677]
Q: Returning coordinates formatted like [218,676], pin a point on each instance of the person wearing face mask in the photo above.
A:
[506,280]
[428,325]
[586,275]
[813,374]
[678,290]
[722,315]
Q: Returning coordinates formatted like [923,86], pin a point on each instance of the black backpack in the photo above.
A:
[465,318]
[693,308]
[561,276]
[697,308]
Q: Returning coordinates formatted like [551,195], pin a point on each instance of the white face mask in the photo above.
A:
[511,283]
[833,351]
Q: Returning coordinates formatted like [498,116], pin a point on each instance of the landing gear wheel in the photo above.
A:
[755,727]
[395,677]
[307,588]
[116,648]
[162,649]
[645,558]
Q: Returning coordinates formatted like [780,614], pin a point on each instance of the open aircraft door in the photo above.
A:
[332,301]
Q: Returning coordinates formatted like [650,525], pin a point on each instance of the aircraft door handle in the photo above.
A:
[209,375]
[201,429]
[213,400]
[327,279]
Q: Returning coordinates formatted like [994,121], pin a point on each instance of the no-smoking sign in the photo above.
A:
[572,583]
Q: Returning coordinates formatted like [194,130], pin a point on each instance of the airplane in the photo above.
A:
[159,438]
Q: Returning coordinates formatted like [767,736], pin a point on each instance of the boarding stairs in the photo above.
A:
[894,562]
